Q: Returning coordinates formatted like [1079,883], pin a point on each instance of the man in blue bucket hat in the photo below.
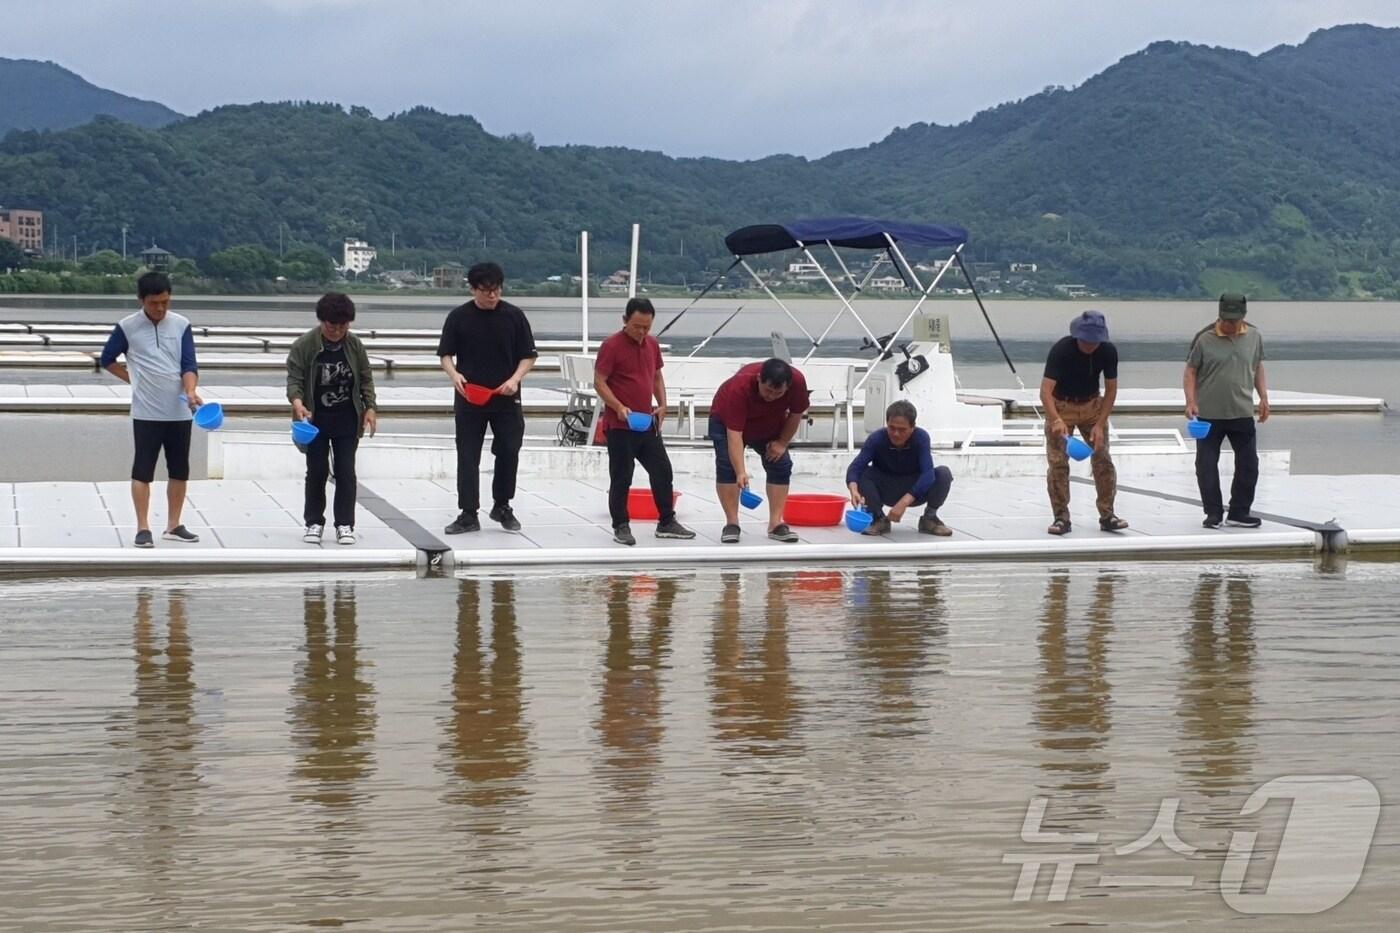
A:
[1069,392]
[1224,368]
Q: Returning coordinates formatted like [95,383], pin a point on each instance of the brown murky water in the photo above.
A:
[719,749]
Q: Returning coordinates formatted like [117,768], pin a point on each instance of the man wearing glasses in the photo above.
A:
[487,344]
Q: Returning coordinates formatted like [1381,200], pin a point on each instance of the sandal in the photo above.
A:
[1112,523]
[1060,526]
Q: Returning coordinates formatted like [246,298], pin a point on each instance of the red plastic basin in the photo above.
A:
[815,509]
[477,395]
[641,505]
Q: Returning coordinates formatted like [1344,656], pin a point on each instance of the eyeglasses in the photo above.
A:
[487,289]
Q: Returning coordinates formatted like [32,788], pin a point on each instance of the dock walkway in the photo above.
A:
[255,526]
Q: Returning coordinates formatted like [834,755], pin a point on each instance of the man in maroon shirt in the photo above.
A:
[758,407]
[627,375]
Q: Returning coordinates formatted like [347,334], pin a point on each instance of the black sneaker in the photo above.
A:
[729,535]
[1212,521]
[182,534]
[674,529]
[144,539]
[462,524]
[622,534]
[784,534]
[504,515]
[1245,521]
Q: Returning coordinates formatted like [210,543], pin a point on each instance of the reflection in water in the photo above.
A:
[895,627]
[486,733]
[1217,686]
[630,725]
[162,733]
[332,714]
[1073,708]
[755,700]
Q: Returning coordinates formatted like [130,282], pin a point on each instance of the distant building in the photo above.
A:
[448,275]
[804,271]
[157,259]
[1024,267]
[358,255]
[1073,291]
[25,228]
[887,283]
[617,282]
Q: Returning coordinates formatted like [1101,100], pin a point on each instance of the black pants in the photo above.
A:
[507,426]
[1244,442]
[343,439]
[625,450]
[881,489]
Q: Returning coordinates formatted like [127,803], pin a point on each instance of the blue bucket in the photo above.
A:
[639,421]
[1198,429]
[750,500]
[210,416]
[304,432]
[1077,448]
[858,519]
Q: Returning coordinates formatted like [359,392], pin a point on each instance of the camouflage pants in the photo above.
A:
[1082,416]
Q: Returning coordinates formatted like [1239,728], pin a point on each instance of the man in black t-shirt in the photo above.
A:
[487,348]
[1070,393]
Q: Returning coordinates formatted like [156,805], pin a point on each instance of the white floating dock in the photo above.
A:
[255,525]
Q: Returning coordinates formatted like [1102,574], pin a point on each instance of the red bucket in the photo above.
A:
[477,395]
[641,505]
[815,509]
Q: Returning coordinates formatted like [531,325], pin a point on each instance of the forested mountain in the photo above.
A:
[44,96]
[1178,171]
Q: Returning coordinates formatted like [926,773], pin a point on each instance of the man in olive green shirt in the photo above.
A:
[1224,368]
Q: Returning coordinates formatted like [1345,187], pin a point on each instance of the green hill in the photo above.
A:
[44,96]
[1178,171]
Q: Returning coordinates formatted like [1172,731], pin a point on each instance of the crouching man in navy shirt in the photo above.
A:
[895,469]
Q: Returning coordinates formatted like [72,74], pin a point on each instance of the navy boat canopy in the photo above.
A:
[853,232]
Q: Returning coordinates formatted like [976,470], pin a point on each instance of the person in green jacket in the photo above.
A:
[329,383]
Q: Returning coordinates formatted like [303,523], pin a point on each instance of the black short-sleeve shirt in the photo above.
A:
[1076,373]
[488,345]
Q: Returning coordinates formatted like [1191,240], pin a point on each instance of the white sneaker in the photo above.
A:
[313,534]
[344,534]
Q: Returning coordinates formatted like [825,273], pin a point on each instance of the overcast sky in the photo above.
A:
[688,77]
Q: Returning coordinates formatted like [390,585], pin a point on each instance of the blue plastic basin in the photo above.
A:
[1077,448]
[639,421]
[749,499]
[210,416]
[858,520]
[1198,428]
[304,432]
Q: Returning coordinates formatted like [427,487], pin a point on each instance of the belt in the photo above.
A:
[1077,401]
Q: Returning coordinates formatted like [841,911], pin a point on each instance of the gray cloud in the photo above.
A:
[729,79]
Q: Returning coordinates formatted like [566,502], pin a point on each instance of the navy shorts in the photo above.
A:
[151,437]
[779,472]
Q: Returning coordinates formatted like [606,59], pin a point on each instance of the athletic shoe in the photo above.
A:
[462,524]
[1212,521]
[182,534]
[674,529]
[143,539]
[931,525]
[1245,521]
[622,534]
[730,535]
[504,515]
[313,534]
[344,534]
[784,534]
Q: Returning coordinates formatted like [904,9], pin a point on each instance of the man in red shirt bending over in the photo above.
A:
[627,375]
[758,407]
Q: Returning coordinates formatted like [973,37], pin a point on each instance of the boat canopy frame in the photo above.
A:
[851,233]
